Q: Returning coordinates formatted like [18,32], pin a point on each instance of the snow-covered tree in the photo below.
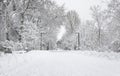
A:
[114,23]
[73,21]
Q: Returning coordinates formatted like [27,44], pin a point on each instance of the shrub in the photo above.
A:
[11,45]
[115,46]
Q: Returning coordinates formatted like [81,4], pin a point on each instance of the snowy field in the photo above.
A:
[37,63]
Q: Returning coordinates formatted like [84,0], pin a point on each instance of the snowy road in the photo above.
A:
[57,64]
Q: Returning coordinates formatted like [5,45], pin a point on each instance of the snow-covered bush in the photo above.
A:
[67,44]
[115,46]
[2,48]
[7,44]
[11,45]
[30,36]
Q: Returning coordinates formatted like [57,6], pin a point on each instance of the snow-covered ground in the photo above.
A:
[37,63]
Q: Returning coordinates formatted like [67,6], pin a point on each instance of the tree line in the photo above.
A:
[34,25]
[101,33]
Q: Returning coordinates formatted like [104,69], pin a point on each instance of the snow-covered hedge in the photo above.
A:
[115,46]
[13,46]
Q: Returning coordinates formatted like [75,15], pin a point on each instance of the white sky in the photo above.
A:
[81,6]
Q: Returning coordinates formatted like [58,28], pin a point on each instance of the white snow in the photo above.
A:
[36,63]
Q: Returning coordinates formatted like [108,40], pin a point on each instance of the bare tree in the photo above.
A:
[98,18]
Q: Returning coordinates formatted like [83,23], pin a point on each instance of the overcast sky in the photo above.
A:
[81,6]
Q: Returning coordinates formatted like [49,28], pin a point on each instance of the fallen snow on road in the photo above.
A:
[36,63]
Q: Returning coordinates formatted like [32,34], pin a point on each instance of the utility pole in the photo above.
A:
[48,46]
[41,35]
[78,40]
